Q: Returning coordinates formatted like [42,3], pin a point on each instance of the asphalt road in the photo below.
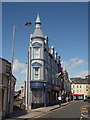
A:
[70,111]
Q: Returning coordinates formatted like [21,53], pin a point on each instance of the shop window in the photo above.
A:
[37,96]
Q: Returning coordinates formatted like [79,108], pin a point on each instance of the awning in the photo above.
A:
[77,94]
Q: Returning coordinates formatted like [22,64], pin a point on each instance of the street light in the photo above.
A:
[13,40]
[12,56]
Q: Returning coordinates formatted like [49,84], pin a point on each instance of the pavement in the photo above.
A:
[33,112]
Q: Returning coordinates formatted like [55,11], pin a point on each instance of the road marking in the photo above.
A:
[50,112]
[83,108]
[84,111]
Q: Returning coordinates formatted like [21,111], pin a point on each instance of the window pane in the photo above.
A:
[37,96]
[86,89]
[73,91]
[36,52]
[80,91]
[36,73]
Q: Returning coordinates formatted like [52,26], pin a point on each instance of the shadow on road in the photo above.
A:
[17,112]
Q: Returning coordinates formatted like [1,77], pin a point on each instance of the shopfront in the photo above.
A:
[38,90]
[43,94]
[78,96]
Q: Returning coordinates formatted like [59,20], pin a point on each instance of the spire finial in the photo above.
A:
[38,22]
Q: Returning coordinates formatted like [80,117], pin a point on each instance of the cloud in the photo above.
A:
[73,63]
[78,62]
[18,67]
[82,74]
[19,71]
[23,71]
[18,85]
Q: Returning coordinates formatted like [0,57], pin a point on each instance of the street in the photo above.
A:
[71,110]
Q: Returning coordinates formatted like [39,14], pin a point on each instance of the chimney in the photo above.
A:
[52,50]
[46,40]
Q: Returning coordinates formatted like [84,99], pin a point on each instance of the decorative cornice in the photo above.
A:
[36,44]
[36,64]
[38,37]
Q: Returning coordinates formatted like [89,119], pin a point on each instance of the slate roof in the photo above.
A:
[38,33]
[80,80]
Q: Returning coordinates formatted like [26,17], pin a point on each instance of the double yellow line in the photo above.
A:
[49,112]
[84,110]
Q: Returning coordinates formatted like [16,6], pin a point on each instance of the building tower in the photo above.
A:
[42,86]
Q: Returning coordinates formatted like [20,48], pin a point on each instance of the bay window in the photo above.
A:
[36,52]
[36,73]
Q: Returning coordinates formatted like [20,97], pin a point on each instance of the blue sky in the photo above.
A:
[65,23]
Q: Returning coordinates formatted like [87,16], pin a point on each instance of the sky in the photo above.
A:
[65,24]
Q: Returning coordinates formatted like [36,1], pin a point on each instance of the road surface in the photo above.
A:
[70,111]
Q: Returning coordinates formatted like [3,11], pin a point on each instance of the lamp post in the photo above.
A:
[12,56]
[13,40]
